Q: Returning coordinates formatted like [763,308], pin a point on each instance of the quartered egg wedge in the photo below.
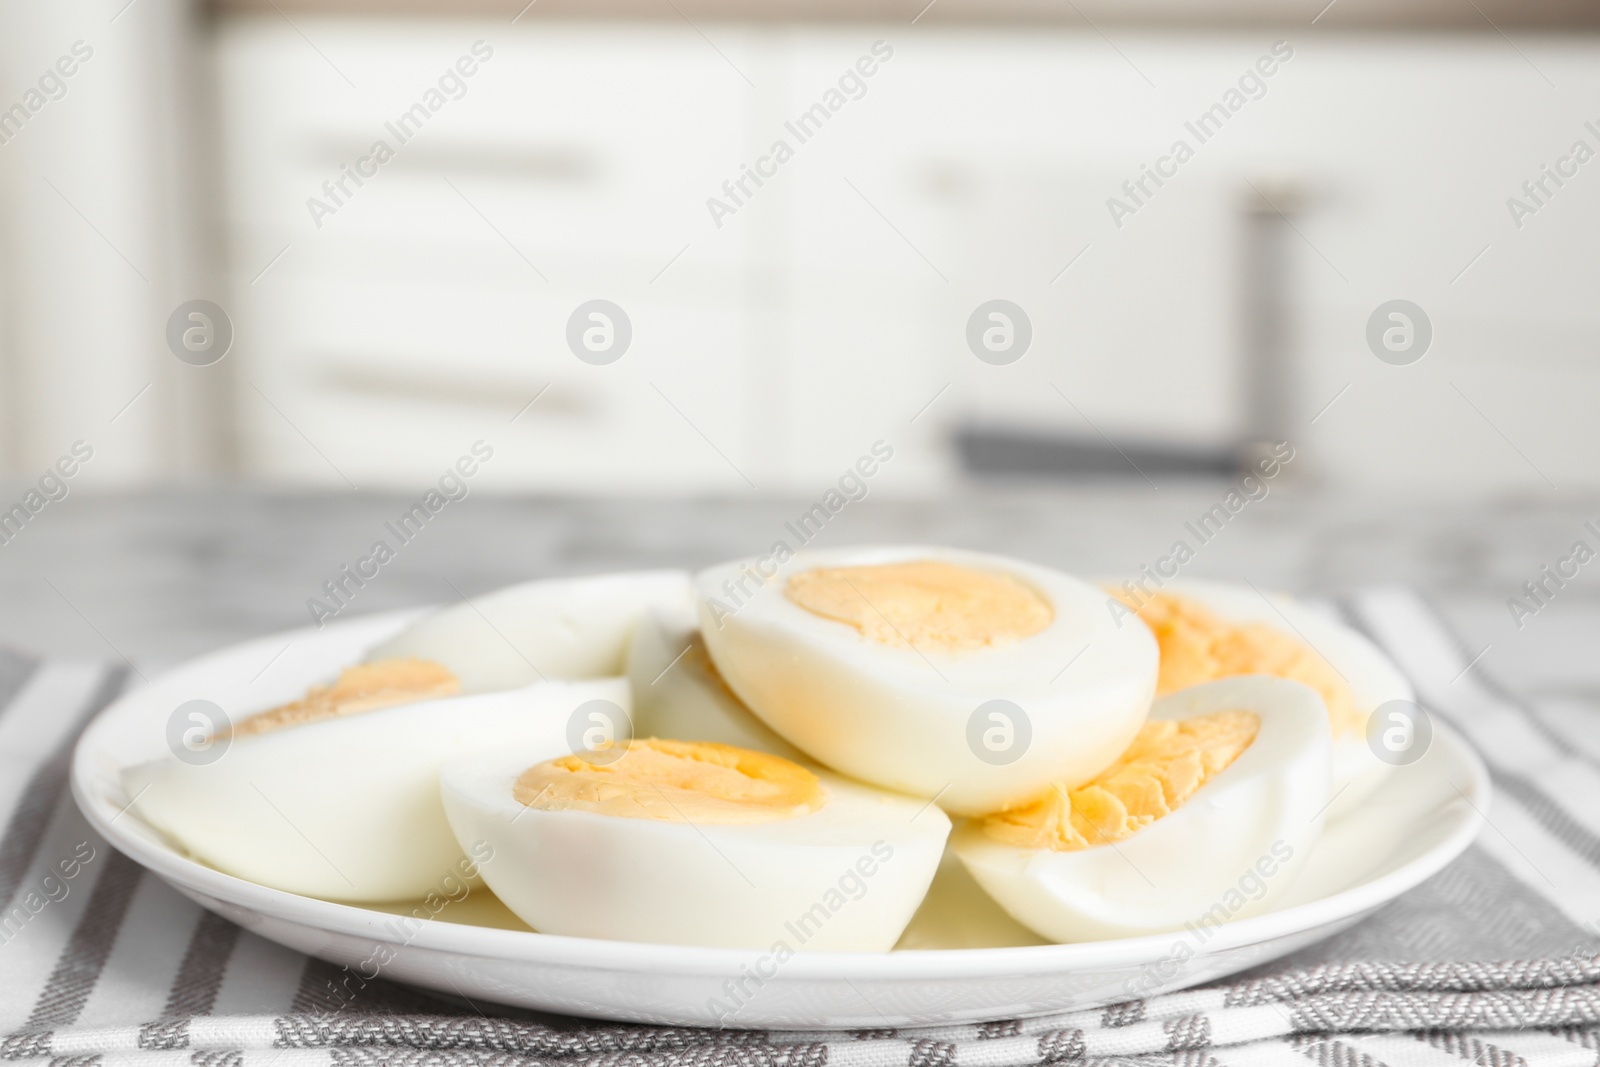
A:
[1206,818]
[1210,630]
[696,843]
[974,679]
[677,692]
[558,628]
[337,795]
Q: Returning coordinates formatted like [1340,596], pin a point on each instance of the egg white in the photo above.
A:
[1372,676]
[557,628]
[347,808]
[899,717]
[847,877]
[1233,848]
[678,694]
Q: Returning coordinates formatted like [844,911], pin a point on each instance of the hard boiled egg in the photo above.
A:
[1210,630]
[678,694]
[696,843]
[970,678]
[337,795]
[1206,818]
[560,628]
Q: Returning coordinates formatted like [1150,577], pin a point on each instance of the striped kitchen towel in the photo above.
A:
[1494,961]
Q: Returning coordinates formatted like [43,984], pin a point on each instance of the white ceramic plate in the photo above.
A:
[962,960]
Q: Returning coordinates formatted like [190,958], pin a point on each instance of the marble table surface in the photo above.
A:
[159,576]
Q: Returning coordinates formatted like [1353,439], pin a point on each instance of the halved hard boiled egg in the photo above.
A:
[558,628]
[678,694]
[970,678]
[696,843]
[1210,630]
[337,795]
[1206,818]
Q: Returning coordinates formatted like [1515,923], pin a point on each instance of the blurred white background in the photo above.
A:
[828,311]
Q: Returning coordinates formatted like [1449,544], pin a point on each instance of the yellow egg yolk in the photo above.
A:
[365,687]
[675,781]
[926,603]
[1198,645]
[1167,762]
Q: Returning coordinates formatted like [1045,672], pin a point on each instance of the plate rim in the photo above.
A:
[192,877]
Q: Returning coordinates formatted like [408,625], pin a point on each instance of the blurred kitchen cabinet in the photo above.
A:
[430,308]
[787,313]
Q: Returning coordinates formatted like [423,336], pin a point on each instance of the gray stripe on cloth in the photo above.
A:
[1450,976]
[571,1037]
[199,978]
[1188,1032]
[1496,1010]
[1125,1013]
[929,1053]
[28,1045]
[1058,1045]
[1331,1052]
[86,951]
[1473,1049]
[1191,1058]
[221,1058]
[15,670]
[367,1057]
[710,1056]
[1582,1037]
[25,830]
[164,1034]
